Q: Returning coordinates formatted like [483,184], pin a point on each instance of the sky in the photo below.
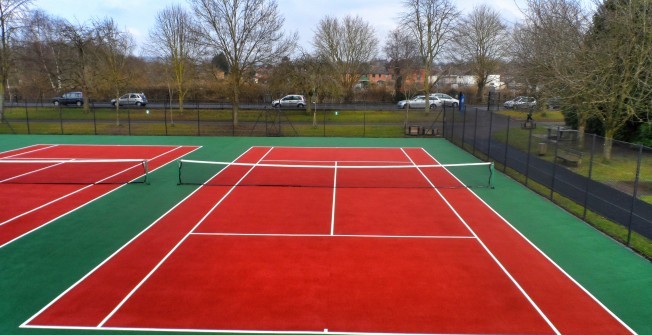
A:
[301,16]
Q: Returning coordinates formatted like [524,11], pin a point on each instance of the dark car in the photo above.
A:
[70,98]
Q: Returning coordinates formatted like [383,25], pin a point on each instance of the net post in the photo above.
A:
[491,175]
[180,162]
[146,168]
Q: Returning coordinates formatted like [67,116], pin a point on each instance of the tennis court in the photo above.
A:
[43,182]
[330,239]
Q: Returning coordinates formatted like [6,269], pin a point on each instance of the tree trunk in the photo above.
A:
[235,104]
[2,101]
[426,88]
[608,144]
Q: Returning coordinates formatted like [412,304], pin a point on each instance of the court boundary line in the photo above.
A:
[25,147]
[80,206]
[425,237]
[225,331]
[183,239]
[333,204]
[46,146]
[486,248]
[25,324]
[557,266]
[79,190]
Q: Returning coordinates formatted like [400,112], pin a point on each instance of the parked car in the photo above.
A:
[138,99]
[521,102]
[293,100]
[403,103]
[554,103]
[70,98]
[446,99]
[420,102]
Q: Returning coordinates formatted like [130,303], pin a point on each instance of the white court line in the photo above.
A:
[48,146]
[544,255]
[227,331]
[334,200]
[425,237]
[332,162]
[24,325]
[30,172]
[76,208]
[22,148]
[160,263]
[484,246]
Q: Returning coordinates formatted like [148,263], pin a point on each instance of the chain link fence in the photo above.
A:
[584,173]
[207,119]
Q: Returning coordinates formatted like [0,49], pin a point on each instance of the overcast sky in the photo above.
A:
[302,16]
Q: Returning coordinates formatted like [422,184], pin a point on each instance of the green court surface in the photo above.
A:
[38,267]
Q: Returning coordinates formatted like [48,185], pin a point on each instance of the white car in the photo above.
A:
[138,99]
[446,99]
[293,100]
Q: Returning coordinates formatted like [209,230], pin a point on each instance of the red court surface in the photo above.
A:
[377,258]
[28,206]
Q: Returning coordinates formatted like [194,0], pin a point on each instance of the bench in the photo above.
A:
[528,125]
[413,130]
[570,157]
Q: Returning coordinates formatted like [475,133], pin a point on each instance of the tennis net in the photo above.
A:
[73,171]
[336,174]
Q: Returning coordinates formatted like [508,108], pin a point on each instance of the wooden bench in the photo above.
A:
[570,157]
[528,125]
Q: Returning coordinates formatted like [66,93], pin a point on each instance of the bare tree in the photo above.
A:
[619,50]
[401,52]
[175,41]
[247,32]
[432,23]
[79,69]
[11,14]
[40,52]
[482,41]
[349,45]
[113,49]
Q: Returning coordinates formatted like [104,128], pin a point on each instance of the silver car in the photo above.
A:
[138,99]
[521,102]
[447,99]
[293,100]
[420,102]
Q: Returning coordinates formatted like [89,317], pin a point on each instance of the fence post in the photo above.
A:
[635,195]
[527,159]
[61,120]
[94,122]
[129,121]
[491,122]
[324,111]
[198,124]
[165,117]
[554,165]
[509,121]
[588,181]
[452,125]
[443,123]
[475,130]
[463,126]
[26,119]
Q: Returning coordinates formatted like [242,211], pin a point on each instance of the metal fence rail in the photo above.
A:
[567,165]
[204,119]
